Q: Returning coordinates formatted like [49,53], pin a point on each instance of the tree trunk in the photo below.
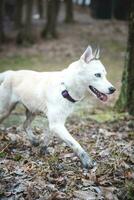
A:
[52,15]
[10,9]
[2,34]
[40,5]
[29,10]
[25,34]
[102,9]
[19,13]
[126,98]
[69,11]
[83,2]
[121,8]
[130,91]
[121,103]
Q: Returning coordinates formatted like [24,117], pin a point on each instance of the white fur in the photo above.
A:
[41,92]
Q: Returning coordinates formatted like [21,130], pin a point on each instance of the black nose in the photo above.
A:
[111,90]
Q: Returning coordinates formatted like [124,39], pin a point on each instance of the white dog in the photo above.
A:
[55,94]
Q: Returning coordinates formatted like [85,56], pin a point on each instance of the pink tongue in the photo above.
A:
[103,97]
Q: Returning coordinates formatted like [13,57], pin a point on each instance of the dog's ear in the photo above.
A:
[87,55]
[97,53]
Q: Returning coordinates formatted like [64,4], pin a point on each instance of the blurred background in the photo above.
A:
[47,35]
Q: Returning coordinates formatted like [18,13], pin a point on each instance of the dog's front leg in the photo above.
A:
[63,133]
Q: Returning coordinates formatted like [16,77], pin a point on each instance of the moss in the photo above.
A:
[108,115]
[3,154]
[130,190]
[17,157]
[131,135]
[98,115]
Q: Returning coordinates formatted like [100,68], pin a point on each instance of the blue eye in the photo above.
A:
[98,75]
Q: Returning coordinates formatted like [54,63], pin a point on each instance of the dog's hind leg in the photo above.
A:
[27,127]
[7,104]
[45,141]
[5,112]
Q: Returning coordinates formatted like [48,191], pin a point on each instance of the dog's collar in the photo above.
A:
[67,96]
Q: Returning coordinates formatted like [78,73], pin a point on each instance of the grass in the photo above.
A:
[33,62]
[107,116]
[15,62]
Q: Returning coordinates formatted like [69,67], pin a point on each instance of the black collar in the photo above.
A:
[67,96]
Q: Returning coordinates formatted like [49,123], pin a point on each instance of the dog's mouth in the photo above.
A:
[98,94]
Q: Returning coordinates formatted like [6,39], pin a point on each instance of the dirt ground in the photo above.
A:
[27,175]
[106,135]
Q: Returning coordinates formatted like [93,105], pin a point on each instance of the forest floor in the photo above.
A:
[105,134]
[27,175]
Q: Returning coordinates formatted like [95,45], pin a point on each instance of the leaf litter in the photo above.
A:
[25,174]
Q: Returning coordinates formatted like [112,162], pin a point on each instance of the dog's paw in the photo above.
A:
[87,162]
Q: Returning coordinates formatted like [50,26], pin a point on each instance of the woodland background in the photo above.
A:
[47,35]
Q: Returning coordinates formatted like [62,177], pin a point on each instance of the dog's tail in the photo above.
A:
[4,75]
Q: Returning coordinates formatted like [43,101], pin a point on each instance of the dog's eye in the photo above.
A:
[98,75]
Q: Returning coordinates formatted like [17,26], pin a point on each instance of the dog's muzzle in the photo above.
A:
[98,94]
[112,90]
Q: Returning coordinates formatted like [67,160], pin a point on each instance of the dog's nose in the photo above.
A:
[111,90]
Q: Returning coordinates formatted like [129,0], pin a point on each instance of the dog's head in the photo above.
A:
[93,74]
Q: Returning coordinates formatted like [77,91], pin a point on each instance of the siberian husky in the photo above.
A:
[55,94]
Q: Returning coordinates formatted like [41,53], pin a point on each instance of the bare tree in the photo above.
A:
[2,34]
[121,9]
[19,13]
[52,15]
[25,34]
[102,9]
[40,5]
[69,18]
[126,97]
